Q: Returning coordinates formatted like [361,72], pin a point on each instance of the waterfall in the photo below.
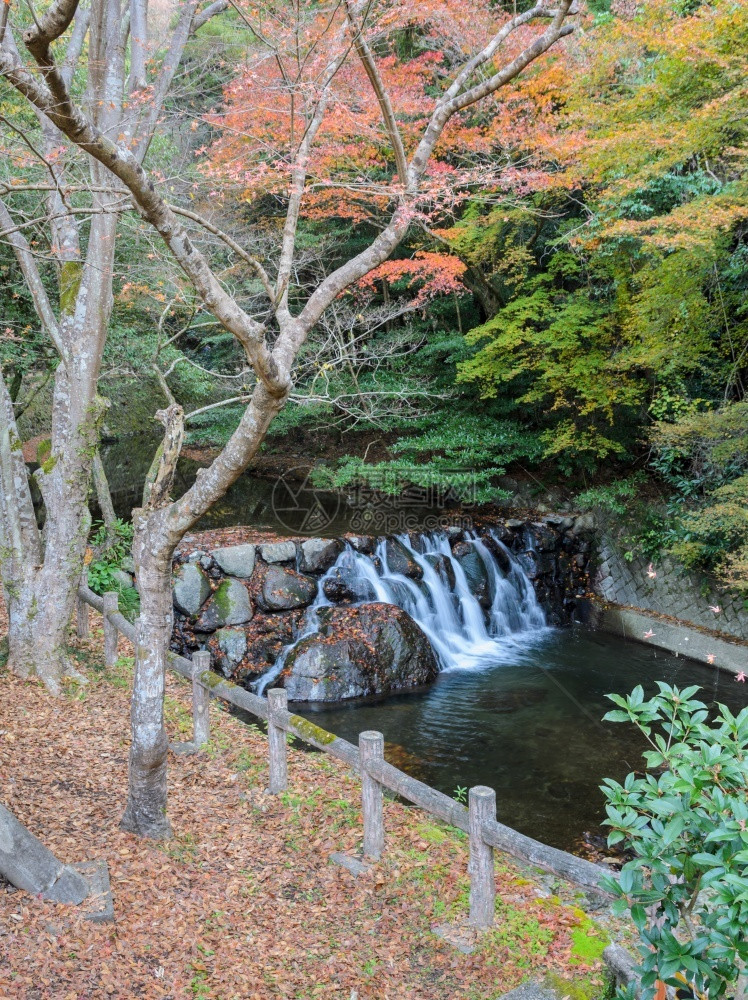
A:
[462,631]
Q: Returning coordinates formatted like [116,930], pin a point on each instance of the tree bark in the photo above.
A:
[146,811]
[40,575]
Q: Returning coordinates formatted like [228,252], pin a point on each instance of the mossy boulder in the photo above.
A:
[229,605]
[361,650]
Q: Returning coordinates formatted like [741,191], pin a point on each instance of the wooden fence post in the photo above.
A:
[371,748]
[482,808]
[81,616]
[200,699]
[277,744]
[111,605]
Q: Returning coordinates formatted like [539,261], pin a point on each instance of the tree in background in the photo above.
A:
[67,201]
[314,47]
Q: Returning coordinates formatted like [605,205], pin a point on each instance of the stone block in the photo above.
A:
[319,554]
[191,588]
[278,552]
[236,560]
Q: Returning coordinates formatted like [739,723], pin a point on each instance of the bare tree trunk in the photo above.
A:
[157,533]
[40,574]
[146,814]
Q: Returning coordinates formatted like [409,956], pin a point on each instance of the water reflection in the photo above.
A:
[530,728]
[257,500]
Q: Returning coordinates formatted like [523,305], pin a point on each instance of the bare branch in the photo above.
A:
[71,121]
[367,61]
[33,281]
[202,17]
[247,258]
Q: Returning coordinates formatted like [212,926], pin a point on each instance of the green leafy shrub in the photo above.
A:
[461,453]
[113,545]
[686,823]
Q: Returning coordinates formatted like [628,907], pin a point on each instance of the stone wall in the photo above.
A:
[244,601]
[672,591]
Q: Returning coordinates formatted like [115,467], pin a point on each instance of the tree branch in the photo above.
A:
[202,17]
[33,280]
[239,251]
[71,121]
[367,61]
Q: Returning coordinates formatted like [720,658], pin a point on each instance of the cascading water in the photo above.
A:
[462,631]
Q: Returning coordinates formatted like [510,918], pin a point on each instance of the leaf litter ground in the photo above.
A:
[244,902]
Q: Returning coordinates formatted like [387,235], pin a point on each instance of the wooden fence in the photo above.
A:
[478,819]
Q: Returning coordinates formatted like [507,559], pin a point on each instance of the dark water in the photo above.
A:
[284,506]
[530,727]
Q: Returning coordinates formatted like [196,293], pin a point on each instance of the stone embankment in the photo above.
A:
[245,601]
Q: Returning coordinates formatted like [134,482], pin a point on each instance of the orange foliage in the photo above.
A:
[351,172]
[434,273]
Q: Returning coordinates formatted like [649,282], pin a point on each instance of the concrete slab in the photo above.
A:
[355,866]
[98,906]
[676,638]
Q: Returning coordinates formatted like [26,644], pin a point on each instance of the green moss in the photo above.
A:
[432,834]
[43,451]
[222,599]
[588,941]
[71,272]
[209,679]
[593,987]
[49,464]
[307,730]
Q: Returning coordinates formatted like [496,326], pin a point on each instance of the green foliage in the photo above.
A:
[113,546]
[613,497]
[557,349]
[460,454]
[686,823]
[703,456]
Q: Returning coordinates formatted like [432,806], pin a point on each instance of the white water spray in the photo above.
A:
[463,632]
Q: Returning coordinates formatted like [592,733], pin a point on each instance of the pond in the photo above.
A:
[530,726]
[285,506]
[521,713]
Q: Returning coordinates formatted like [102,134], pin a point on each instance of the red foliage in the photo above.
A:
[433,274]
[352,174]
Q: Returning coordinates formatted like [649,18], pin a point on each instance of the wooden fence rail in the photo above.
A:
[478,820]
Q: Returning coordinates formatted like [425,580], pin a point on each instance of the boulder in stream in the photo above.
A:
[399,560]
[475,572]
[361,650]
[319,554]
